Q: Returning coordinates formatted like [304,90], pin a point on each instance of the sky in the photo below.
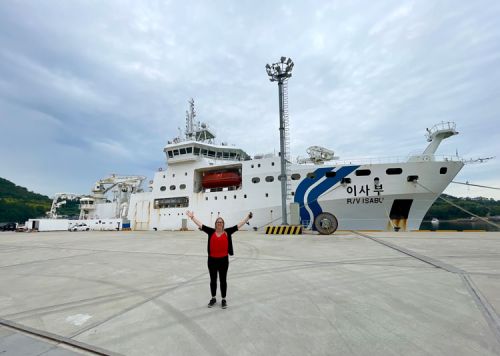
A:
[89,88]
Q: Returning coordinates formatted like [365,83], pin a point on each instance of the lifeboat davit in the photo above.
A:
[220,180]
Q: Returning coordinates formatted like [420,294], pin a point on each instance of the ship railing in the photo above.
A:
[389,159]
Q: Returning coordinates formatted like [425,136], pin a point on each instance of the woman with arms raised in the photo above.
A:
[219,246]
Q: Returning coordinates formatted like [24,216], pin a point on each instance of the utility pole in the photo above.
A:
[280,72]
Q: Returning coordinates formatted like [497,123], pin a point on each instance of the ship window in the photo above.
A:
[219,154]
[412,178]
[443,170]
[392,171]
[182,151]
[163,188]
[280,177]
[204,152]
[245,196]
[173,175]
[164,176]
[295,176]
[185,173]
[170,154]
[215,198]
[211,153]
[255,180]
[178,202]
[272,163]
[176,152]
[330,174]
[197,151]
[206,198]
[225,197]
[345,181]
[311,175]
[189,149]
[252,165]
[234,196]
[269,178]
[182,186]
[293,193]
[172,187]
[363,172]
[225,155]
[267,195]
[258,165]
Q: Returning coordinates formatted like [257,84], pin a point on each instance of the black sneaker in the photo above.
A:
[211,303]
[224,304]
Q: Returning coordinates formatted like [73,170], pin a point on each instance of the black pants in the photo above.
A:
[218,265]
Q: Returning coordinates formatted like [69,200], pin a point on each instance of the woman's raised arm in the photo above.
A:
[245,220]
[190,215]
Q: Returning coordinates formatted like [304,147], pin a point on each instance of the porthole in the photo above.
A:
[311,175]
[330,174]
[345,181]
[215,198]
[295,176]
[251,166]
[225,197]
[234,196]
[163,188]
[293,193]
[363,172]
[269,179]
[182,186]
[272,163]
[258,165]
[267,195]
[255,180]
[172,187]
[443,170]
[206,198]
[393,171]
[245,196]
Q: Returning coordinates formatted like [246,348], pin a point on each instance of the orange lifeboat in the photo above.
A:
[220,180]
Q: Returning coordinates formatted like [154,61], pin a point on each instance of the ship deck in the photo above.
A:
[146,293]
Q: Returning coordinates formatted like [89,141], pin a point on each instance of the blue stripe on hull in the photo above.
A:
[316,192]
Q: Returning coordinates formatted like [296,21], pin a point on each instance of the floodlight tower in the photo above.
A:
[280,72]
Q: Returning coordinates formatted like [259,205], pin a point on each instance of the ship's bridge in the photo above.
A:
[192,150]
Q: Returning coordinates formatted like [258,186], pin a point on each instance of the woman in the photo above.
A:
[219,246]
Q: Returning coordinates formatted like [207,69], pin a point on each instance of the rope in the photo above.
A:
[459,207]
[475,185]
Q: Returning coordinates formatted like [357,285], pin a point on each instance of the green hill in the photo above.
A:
[480,206]
[17,204]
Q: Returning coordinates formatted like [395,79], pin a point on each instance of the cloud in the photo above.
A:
[90,88]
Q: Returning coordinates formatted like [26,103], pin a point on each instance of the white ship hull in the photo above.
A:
[358,205]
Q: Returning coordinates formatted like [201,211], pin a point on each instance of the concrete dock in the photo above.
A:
[351,293]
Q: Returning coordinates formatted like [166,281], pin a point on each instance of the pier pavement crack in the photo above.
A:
[201,335]
[488,311]
[49,259]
